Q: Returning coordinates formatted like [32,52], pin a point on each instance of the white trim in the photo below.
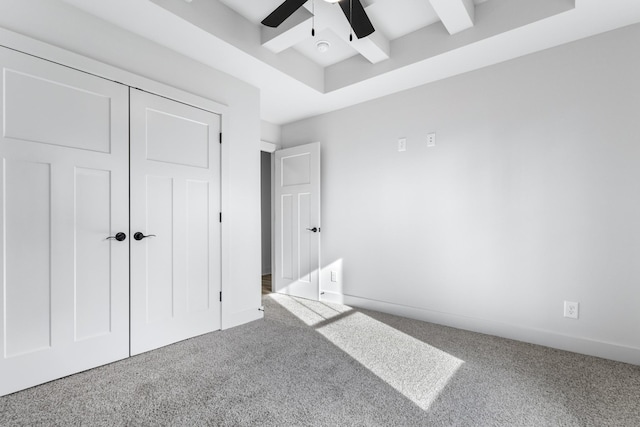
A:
[268,147]
[273,222]
[542,337]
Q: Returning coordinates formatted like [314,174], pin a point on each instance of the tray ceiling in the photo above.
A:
[415,42]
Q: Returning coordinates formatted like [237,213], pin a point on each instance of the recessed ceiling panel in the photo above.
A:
[254,10]
[396,18]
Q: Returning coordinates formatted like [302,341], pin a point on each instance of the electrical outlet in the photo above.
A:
[431,140]
[334,276]
[571,309]
[402,144]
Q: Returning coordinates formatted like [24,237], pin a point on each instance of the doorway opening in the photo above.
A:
[266,219]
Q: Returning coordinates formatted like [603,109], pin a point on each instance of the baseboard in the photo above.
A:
[230,320]
[546,338]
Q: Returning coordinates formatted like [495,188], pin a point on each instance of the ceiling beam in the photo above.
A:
[375,47]
[291,32]
[456,15]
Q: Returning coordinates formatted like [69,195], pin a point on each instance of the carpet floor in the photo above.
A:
[318,364]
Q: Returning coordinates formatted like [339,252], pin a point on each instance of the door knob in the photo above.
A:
[140,236]
[314,229]
[119,237]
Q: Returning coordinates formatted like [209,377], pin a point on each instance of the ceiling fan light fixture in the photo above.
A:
[323,46]
[353,10]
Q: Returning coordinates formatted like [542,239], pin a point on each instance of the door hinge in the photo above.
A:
[220,216]
[220,137]
[220,296]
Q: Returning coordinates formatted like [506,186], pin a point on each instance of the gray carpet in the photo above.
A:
[318,364]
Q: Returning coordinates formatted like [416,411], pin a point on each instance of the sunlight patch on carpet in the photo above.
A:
[414,368]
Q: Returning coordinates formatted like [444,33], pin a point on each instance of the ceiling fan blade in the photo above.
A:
[282,12]
[354,11]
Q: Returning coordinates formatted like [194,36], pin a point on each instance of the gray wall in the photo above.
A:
[265,183]
[529,198]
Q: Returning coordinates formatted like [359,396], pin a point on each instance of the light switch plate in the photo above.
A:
[431,140]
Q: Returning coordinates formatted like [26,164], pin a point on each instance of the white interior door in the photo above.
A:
[297,224]
[175,199]
[64,302]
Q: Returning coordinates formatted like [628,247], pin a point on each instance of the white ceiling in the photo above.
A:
[411,45]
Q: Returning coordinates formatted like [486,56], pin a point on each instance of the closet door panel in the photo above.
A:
[175,200]
[64,291]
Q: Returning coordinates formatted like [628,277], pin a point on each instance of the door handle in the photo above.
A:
[119,237]
[140,236]
[314,229]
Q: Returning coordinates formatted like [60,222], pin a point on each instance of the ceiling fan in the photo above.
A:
[352,9]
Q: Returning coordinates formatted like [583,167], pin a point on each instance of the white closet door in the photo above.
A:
[64,296]
[175,200]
